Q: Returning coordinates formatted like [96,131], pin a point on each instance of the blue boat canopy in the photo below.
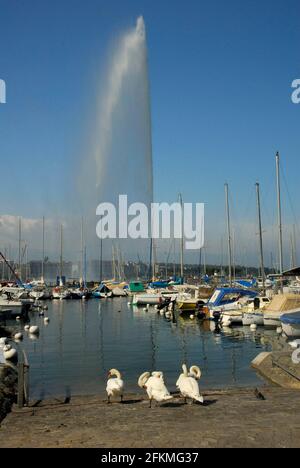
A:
[223,296]
[246,284]
[159,284]
[291,319]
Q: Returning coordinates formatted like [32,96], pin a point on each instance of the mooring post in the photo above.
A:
[20,385]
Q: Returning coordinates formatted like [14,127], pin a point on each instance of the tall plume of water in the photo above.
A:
[120,161]
[123,146]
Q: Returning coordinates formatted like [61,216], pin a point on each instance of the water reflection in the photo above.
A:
[84,339]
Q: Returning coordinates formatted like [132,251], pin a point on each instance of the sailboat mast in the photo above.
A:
[229,233]
[20,253]
[85,268]
[150,273]
[101,262]
[61,253]
[113,262]
[43,249]
[153,260]
[182,238]
[262,266]
[294,245]
[200,263]
[279,215]
[82,253]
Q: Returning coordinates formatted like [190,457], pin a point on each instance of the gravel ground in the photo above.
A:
[229,418]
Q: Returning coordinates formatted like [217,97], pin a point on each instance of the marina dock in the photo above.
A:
[229,418]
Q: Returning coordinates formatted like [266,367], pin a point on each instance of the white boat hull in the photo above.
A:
[144,299]
[61,295]
[119,292]
[15,308]
[272,321]
[253,319]
[231,318]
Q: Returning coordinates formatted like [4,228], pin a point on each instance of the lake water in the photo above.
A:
[84,340]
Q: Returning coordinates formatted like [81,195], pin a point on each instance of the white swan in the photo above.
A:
[155,386]
[115,385]
[188,385]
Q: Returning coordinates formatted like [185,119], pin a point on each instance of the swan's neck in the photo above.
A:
[116,373]
[185,370]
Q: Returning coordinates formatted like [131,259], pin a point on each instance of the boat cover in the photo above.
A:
[291,319]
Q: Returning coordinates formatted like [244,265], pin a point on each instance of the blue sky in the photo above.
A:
[220,74]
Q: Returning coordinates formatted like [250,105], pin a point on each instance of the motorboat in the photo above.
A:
[10,307]
[40,293]
[119,292]
[253,311]
[189,300]
[228,299]
[102,291]
[145,299]
[291,324]
[280,304]
[135,287]
[188,304]
[15,292]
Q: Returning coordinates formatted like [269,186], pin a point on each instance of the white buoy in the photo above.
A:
[145,309]
[156,307]
[45,307]
[18,318]
[129,303]
[253,327]
[27,327]
[9,353]
[278,330]
[46,320]
[83,298]
[192,317]
[18,336]
[34,330]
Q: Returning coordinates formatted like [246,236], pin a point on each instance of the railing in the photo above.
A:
[288,369]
